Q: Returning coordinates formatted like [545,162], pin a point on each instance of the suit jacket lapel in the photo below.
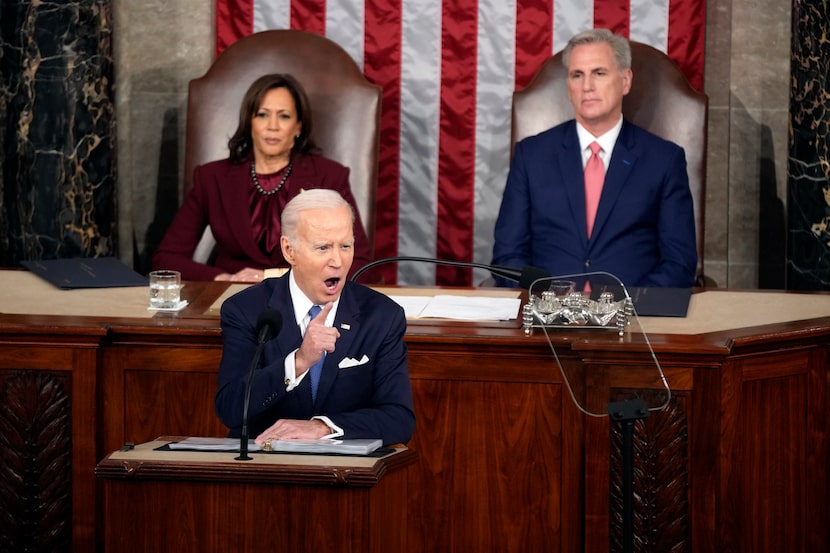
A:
[622,161]
[303,175]
[573,179]
[238,212]
[347,322]
[289,337]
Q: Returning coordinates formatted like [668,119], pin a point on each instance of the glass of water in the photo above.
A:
[165,289]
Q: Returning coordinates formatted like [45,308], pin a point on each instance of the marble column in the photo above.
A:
[57,130]
[808,167]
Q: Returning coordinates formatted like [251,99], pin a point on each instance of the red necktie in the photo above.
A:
[594,176]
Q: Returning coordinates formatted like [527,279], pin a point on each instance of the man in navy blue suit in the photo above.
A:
[363,389]
[643,230]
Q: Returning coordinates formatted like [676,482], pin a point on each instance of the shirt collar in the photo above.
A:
[606,141]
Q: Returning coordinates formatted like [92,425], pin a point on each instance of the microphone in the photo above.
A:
[268,325]
[524,276]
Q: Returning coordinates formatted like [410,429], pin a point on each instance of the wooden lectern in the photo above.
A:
[188,501]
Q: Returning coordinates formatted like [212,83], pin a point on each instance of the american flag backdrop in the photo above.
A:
[448,69]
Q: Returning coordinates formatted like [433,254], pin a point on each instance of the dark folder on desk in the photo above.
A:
[653,302]
[95,272]
[661,302]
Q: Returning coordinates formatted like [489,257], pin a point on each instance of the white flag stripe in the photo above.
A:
[496,82]
[569,18]
[420,113]
[344,25]
[650,22]
[271,14]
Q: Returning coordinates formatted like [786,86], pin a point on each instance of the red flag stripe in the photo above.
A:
[234,19]
[613,15]
[382,66]
[456,152]
[533,46]
[687,29]
[309,15]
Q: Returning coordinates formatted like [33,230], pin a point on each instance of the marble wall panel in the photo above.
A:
[759,69]
[58,160]
[761,52]
[772,214]
[717,196]
[155,176]
[161,47]
[716,86]
[744,171]
[718,48]
[809,162]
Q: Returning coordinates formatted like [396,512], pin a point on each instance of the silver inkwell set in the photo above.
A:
[561,306]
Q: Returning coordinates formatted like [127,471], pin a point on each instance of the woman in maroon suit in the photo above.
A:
[272,159]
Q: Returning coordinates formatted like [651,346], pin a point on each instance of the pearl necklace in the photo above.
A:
[275,190]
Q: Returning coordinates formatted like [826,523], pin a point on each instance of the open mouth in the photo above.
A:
[331,283]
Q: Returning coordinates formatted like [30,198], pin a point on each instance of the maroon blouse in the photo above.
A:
[266,210]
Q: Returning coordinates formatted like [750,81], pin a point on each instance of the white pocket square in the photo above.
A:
[350,362]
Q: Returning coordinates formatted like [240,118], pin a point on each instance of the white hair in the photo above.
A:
[314,198]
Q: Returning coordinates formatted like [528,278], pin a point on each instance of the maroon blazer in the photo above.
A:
[219,198]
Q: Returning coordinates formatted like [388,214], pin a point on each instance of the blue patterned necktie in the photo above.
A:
[317,368]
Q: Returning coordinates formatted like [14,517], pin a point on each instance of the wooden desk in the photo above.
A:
[184,502]
[506,462]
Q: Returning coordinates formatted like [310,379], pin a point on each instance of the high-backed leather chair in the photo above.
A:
[661,100]
[345,107]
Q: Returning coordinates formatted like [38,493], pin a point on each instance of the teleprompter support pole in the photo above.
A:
[625,413]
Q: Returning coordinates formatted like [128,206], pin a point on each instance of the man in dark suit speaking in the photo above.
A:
[598,193]
[338,368]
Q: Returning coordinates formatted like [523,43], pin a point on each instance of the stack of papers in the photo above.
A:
[343,447]
[465,308]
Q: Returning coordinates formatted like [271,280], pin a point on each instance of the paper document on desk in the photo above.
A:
[412,305]
[465,308]
[345,447]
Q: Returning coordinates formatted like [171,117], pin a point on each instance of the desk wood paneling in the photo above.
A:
[47,420]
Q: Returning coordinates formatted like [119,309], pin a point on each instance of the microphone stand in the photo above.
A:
[525,276]
[450,263]
[243,439]
[268,325]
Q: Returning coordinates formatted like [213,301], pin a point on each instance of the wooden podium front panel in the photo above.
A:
[167,502]
[195,517]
